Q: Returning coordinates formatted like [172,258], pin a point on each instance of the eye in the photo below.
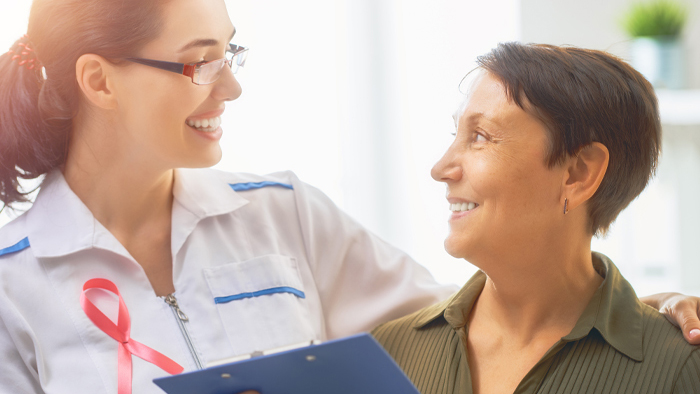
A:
[478,137]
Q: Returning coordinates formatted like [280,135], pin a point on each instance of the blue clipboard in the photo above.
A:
[352,365]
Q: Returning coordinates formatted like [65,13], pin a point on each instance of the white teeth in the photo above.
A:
[461,207]
[207,125]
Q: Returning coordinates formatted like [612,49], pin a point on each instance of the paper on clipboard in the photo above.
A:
[352,365]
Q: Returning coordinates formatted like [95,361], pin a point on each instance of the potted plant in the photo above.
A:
[656,50]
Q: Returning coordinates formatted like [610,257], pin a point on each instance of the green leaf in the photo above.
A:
[655,18]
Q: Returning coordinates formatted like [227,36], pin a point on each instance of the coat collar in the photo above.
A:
[60,224]
[614,310]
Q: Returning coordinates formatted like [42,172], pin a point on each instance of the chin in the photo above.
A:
[455,247]
[203,161]
[215,158]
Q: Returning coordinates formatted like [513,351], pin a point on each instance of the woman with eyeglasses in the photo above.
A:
[135,261]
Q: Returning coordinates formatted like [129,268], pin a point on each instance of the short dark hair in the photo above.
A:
[584,96]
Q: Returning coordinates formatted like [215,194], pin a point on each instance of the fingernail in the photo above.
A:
[694,333]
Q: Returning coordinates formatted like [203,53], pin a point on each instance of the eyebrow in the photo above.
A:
[204,42]
[475,117]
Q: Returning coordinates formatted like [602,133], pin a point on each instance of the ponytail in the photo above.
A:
[29,147]
[39,94]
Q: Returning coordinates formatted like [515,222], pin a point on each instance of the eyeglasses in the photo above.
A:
[203,73]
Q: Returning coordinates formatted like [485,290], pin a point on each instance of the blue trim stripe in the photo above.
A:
[241,187]
[19,246]
[274,290]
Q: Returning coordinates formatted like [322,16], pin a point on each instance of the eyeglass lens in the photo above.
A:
[210,72]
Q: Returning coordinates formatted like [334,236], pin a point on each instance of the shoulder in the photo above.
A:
[13,238]
[408,332]
[660,336]
[688,380]
[664,344]
[426,347]
[283,188]
[242,181]
[270,191]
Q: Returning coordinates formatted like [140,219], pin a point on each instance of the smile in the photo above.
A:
[462,207]
[205,125]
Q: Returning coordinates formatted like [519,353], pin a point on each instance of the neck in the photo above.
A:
[123,192]
[535,294]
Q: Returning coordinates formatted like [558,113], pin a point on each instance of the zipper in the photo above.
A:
[182,319]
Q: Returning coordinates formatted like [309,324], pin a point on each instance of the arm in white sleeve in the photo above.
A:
[362,280]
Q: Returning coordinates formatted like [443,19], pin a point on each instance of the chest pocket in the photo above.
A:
[261,302]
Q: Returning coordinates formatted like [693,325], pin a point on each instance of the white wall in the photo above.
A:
[364,110]
[595,24]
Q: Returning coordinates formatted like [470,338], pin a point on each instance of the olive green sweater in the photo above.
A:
[618,345]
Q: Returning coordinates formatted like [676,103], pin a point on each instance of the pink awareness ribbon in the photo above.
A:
[120,332]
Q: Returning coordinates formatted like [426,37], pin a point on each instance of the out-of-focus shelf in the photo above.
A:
[679,107]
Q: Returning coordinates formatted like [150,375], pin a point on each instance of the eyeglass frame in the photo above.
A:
[192,69]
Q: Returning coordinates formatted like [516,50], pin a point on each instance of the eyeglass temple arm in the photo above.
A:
[179,68]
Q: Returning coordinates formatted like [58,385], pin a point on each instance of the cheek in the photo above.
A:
[157,110]
[493,176]
[163,103]
[514,191]
[517,181]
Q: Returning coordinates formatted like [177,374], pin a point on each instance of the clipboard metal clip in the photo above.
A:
[260,353]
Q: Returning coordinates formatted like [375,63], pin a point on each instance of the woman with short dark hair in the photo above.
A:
[551,144]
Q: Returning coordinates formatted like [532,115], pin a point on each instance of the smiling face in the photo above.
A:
[496,166]
[158,108]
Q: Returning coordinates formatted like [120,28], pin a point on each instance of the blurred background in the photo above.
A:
[356,97]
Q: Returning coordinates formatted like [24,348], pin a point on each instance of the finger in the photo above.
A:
[693,336]
[690,323]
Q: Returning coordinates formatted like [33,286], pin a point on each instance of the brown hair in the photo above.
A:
[36,114]
[584,96]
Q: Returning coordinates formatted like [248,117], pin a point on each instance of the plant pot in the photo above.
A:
[660,60]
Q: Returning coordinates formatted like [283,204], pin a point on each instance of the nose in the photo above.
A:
[447,169]
[227,87]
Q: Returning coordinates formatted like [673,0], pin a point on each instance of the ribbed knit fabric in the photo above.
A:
[619,345]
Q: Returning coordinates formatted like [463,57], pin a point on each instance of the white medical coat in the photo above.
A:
[229,246]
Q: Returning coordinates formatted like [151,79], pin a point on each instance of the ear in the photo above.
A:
[93,75]
[584,173]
